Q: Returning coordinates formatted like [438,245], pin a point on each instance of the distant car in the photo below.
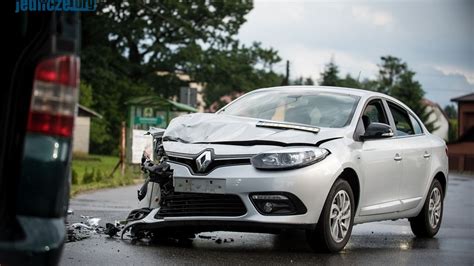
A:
[315,158]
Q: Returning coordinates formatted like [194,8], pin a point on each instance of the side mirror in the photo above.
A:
[377,131]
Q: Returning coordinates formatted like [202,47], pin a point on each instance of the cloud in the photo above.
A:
[371,15]
[358,32]
[455,70]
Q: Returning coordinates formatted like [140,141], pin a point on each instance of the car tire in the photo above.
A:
[428,221]
[322,238]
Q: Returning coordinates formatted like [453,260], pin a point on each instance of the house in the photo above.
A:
[192,94]
[461,152]
[439,118]
[82,124]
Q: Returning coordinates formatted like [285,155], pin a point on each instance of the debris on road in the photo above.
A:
[80,226]
[111,230]
[216,239]
[83,230]
[78,231]
[94,222]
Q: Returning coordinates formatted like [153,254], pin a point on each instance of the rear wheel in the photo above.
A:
[428,222]
[334,227]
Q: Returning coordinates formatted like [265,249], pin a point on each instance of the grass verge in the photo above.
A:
[90,172]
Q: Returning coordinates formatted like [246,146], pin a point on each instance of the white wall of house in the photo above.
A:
[82,126]
[440,122]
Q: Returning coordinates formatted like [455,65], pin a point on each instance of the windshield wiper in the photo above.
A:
[282,125]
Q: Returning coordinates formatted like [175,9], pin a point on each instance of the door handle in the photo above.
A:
[426,155]
[397,157]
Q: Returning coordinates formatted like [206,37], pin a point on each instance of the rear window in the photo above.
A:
[402,120]
[416,125]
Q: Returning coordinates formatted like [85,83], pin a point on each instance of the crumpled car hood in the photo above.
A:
[226,129]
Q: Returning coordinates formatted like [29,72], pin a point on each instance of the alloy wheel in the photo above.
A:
[434,207]
[340,216]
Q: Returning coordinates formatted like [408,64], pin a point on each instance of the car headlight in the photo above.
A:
[289,158]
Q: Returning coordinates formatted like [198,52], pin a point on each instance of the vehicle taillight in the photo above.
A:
[55,96]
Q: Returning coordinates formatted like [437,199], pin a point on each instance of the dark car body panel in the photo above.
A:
[34,168]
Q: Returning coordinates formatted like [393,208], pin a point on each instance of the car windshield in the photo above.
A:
[320,109]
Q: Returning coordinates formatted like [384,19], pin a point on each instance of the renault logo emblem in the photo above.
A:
[203,160]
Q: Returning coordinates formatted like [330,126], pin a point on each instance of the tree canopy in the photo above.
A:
[126,43]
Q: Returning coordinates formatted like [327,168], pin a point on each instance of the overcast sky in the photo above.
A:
[435,38]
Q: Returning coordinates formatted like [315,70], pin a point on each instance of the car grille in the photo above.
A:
[191,163]
[197,204]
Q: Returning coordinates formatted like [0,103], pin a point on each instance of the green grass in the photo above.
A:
[90,172]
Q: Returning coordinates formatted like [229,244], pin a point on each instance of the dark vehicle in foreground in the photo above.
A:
[37,108]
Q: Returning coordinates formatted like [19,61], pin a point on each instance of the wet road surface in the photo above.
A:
[379,243]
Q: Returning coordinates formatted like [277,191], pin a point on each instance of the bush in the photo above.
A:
[74,178]
[453,130]
[88,177]
[99,175]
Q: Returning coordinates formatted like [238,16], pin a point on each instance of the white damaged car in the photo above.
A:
[321,159]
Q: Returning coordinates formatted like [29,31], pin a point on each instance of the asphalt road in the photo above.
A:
[379,243]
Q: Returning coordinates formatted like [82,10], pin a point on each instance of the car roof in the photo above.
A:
[351,91]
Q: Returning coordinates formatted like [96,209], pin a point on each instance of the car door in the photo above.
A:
[379,165]
[415,155]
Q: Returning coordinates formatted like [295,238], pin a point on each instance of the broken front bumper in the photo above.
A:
[310,185]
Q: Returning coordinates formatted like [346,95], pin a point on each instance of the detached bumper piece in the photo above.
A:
[197,204]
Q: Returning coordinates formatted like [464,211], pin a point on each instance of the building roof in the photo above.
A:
[435,105]
[465,98]
[84,111]
[155,101]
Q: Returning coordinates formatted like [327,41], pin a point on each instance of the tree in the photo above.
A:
[162,36]
[349,82]
[452,114]
[303,81]
[126,43]
[397,80]
[237,69]
[451,111]
[329,77]
[85,96]
[389,73]
[308,81]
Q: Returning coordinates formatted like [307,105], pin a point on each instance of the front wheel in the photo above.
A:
[428,222]
[334,227]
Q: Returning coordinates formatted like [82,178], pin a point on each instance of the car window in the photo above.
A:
[416,125]
[374,112]
[402,120]
[321,109]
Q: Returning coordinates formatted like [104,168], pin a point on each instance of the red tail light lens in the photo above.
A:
[55,96]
